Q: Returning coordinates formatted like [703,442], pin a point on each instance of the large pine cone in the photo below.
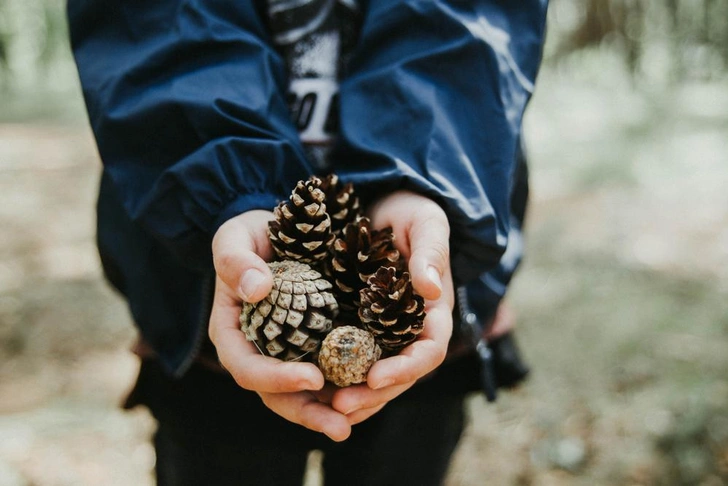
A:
[301,229]
[357,255]
[295,317]
[342,203]
[391,310]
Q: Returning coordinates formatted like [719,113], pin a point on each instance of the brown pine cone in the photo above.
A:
[391,310]
[301,229]
[356,256]
[294,318]
[342,203]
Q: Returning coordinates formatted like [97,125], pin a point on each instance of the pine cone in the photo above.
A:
[293,320]
[342,203]
[346,355]
[391,310]
[357,255]
[301,229]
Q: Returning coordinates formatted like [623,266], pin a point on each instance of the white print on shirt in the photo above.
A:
[314,106]
[315,37]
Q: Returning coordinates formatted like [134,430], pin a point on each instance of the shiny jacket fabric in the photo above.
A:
[186,99]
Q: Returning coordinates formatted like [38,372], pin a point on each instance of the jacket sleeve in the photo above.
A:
[186,101]
[434,103]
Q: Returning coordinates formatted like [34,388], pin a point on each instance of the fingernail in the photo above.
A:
[434,277]
[311,385]
[249,283]
[384,383]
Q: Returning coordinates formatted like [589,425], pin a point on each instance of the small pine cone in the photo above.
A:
[301,229]
[346,355]
[357,255]
[342,203]
[292,321]
[391,310]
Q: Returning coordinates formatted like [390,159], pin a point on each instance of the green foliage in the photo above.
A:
[38,79]
[687,38]
[683,39]
[33,41]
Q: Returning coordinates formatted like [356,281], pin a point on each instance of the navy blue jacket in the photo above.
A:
[186,99]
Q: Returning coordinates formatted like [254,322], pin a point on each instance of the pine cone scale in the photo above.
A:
[294,318]
[312,245]
[272,331]
[285,238]
[304,227]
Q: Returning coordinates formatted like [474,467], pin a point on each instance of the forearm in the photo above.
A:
[434,104]
[186,102]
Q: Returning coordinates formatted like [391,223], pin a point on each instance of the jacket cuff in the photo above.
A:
[246,202]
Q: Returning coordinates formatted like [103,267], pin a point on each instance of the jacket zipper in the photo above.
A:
[472,329]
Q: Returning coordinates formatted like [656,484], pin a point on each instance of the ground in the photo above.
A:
[622,305]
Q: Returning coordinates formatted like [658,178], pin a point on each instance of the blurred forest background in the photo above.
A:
[622,299]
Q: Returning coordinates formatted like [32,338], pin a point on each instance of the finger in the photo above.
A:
[304,409]
[361,415]
[503,322]
[429,262]
[239,249]
[422,235]
[326,394]
[250,369]
[420,357]
[360,397]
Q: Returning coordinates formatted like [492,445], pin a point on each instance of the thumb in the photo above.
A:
[238,249]
[430,258]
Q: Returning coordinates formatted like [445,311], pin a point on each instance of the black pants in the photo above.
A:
[211,432]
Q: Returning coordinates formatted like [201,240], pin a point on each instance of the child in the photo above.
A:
[191,106]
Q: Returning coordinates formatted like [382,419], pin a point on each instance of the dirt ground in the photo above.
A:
[622,304]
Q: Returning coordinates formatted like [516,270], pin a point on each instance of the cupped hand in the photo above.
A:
[422,232]
[292,390]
